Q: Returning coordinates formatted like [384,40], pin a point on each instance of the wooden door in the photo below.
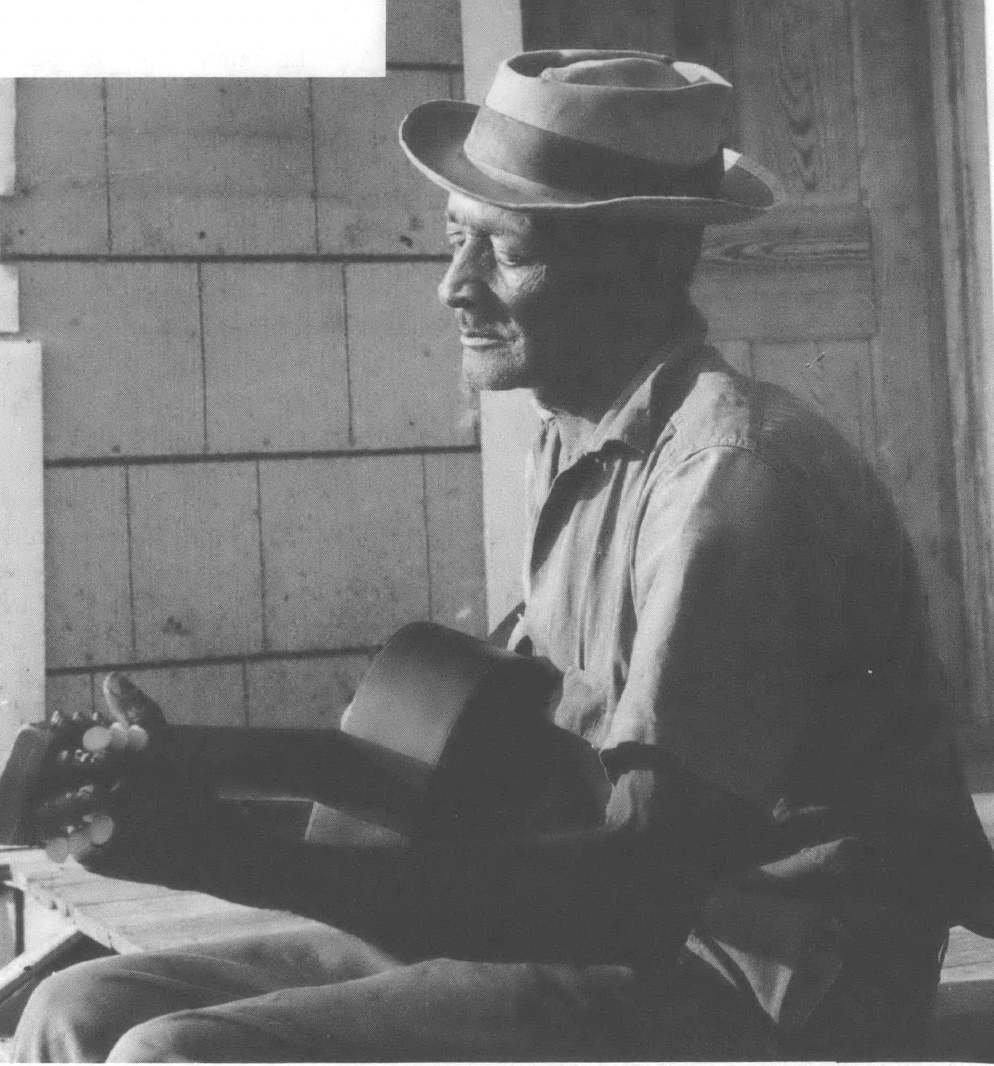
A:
[838,297]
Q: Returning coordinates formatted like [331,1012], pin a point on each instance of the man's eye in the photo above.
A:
[456,240]
[511,257]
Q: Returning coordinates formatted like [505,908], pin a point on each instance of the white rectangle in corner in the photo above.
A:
[22,540]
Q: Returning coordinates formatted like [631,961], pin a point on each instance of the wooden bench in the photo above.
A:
[66,914]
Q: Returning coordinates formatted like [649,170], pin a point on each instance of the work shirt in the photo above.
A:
[723,579]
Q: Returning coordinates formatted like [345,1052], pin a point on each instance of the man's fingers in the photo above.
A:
[127,704]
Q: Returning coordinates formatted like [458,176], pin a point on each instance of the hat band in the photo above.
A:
[560,162]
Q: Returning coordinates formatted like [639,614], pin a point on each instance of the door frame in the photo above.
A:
[957,35]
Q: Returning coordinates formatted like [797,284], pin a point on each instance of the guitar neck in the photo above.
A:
[324,765]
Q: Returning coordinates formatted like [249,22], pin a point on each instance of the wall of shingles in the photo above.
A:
[259,458]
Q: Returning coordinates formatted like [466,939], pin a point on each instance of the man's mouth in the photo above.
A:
[478,339]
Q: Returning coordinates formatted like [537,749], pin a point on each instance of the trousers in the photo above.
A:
[332,997]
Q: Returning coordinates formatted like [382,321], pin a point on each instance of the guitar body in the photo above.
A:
[447,736]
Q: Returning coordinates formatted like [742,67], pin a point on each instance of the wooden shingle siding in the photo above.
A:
[404,359]
[455,550]
[121,349]
[195,560]
[66,693]
[61,201]
[306,693]
[424,31]
[211,694]
[344,550]
[210,166]
[87,597]
[274,349]
[187,253]
[369,198]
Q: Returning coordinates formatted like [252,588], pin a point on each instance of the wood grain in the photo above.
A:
[454,509]
[129,917]
[909,362]
[787,303]
[195,560]
[345,550]
[370,198]
[274,349]
[962,134]
[832,377]
[800,273]
[60,203]
[404,359]
[87,602]
[210,166]
[65,693]
[793,236]
[795,91]
[122,365]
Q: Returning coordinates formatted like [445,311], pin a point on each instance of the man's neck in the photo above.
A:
[580,404]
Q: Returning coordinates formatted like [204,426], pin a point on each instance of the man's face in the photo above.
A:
[529,297]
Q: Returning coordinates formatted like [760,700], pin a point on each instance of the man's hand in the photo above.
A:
[156,810]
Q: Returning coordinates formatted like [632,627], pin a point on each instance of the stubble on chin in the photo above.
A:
[493,371]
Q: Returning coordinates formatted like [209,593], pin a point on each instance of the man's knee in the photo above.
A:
[202,1036]
[64,1019]
[168,1039]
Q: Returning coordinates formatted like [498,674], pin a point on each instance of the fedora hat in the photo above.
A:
[614,132]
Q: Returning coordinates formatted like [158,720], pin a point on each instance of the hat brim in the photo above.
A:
[433,134]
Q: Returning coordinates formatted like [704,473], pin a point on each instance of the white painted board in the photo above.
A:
[22,539]
[8,114]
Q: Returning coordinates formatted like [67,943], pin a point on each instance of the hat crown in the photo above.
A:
[637,103]
[633,72]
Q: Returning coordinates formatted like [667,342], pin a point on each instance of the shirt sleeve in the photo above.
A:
[721,675]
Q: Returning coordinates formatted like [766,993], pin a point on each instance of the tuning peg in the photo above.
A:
[58,849]
[129,705]
[79,841]
[96,738]
[118,736]
[100,826]
[137,738]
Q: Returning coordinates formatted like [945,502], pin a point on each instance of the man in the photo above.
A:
[734,608]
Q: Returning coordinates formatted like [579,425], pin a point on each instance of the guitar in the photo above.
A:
[447,736]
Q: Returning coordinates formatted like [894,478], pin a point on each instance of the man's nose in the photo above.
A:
[461,282]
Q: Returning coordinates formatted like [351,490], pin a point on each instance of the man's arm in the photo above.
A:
[623,891]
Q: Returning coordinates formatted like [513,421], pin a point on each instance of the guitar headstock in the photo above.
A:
[84,763]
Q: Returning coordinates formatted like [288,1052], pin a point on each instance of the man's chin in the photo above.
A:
[491,371]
